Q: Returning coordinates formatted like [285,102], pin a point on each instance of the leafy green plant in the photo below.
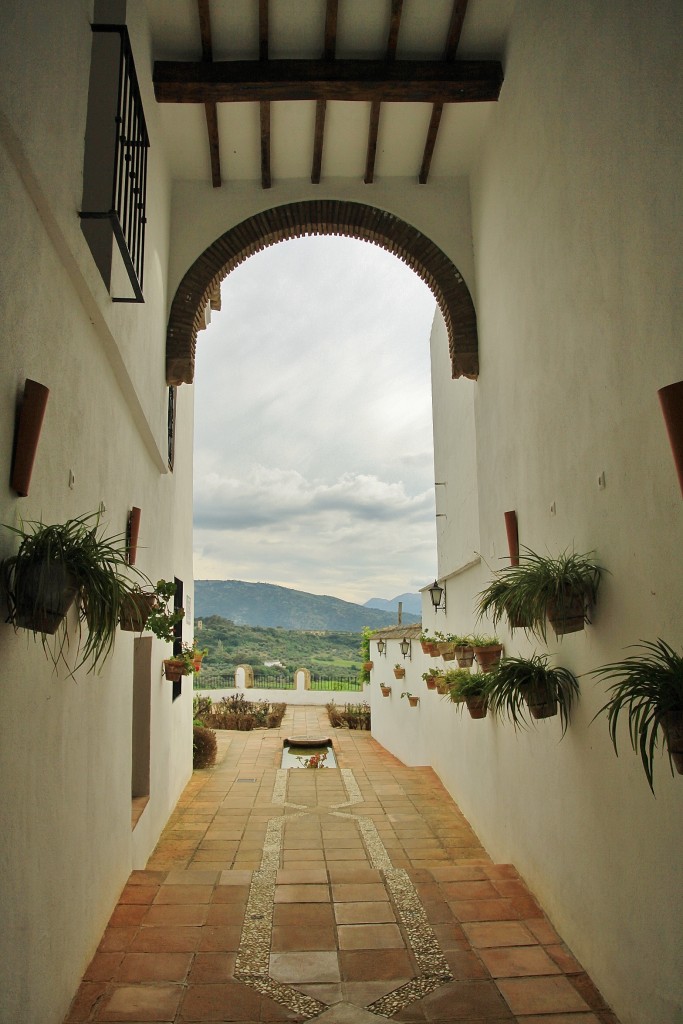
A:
[162,620]
[58,563]
[521,685]
[649,691]
[365,653]
[480,640]
[540,587]
[462,683]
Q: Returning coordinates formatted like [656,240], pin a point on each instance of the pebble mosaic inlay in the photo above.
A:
[252,966]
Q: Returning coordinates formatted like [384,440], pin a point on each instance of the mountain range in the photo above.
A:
[264,604]
[412,604]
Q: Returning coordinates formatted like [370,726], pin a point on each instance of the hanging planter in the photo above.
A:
[430,679]
[176,668]
[368,666]
[399,671]
[521,685]
[136,609]
[487,651]
[412,699]
[649,690]
[476,706]
[386,690]
[567,613]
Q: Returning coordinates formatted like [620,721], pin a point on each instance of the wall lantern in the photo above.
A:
[438,596]
[382,647]
[406,648]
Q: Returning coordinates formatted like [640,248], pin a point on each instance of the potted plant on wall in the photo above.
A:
[399,671]
[56,564]
[487,650]
[163,619]
[430,677]
[560,590]
[386,690]
[464,651]
[519,685]
[180,664]
[468,688]
[649,690]
[413,700]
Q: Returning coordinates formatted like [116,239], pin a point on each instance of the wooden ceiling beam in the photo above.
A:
[329,50]
[209,106]
[458,12]
[373,130]
[264,112]
[405,81]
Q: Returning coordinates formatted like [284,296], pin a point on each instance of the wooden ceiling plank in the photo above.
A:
[210,107]
[320,109]
[409,81]
[264,106]
[329,50]
[373,129]
[458,12]
[432,132]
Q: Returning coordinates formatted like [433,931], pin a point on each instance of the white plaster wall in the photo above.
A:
[66,844]
[576,212]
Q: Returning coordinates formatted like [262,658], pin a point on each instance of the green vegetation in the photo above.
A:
[324,653]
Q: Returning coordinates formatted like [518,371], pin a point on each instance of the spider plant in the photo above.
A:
[649,690]
[468,688]
[56,564]
[561,589]
[519,685]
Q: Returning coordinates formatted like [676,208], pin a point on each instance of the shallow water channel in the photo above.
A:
[297,755]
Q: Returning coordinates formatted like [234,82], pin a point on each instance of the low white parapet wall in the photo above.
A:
[292,696]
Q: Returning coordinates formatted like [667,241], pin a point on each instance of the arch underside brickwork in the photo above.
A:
[201,284]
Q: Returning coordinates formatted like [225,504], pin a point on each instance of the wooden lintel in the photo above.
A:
[409,81]
[265,143]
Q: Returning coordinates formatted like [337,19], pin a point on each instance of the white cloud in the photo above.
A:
[313,445]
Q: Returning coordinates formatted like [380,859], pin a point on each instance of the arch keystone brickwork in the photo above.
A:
[201,284]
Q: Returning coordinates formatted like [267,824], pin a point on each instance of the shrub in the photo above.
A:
[203,747]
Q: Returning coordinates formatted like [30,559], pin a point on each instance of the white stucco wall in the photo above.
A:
[576,212]
[66,844]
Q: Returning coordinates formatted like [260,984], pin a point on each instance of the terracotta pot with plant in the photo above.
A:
[413,700]
[649,691]
[487,650]
[521,685]
[386,690]
[399,671]
[469,688]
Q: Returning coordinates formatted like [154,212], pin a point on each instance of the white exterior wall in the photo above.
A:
[576,222]
[66,844]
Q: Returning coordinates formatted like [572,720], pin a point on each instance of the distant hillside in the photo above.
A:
[263,604]
[412,604]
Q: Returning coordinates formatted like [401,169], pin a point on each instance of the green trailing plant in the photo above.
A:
[59,563]
[366,634]
[649,691]
[521,686]
[462,684]
[480,640]
[163,619]
[539,588]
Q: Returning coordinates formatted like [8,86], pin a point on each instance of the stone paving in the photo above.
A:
[344,895]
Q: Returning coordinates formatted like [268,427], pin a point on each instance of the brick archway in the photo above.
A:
[201,283]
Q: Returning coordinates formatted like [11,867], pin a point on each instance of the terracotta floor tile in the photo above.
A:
[85,999]
[129,914]
[302,876]
[187,913]
[483,910]
[543,931]
[310,915]
[518,961]
[302,894]
[230,894]
[466,1000]
[141,1003]
[562,1018]
[364,913]
[226,1001]
[154,967]
[211,968]
[370,936]
[292,938]
[219,938]
[541,995]
[166,939]
[183,894]
[138,894]
[469,890]
[353,873]
[115,939]
[498,933]
[375,965]
[310,967]
[358,892]
[103,966]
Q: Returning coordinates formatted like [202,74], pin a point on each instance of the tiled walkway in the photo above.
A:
[344,895]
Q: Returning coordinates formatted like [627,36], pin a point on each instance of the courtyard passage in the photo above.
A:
[345,895]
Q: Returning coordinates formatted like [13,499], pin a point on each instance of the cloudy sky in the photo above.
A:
[313,437]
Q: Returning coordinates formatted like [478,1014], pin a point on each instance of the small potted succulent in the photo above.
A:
[412,699]
[648,689]
[399,671]
[487,650]
[518,685]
